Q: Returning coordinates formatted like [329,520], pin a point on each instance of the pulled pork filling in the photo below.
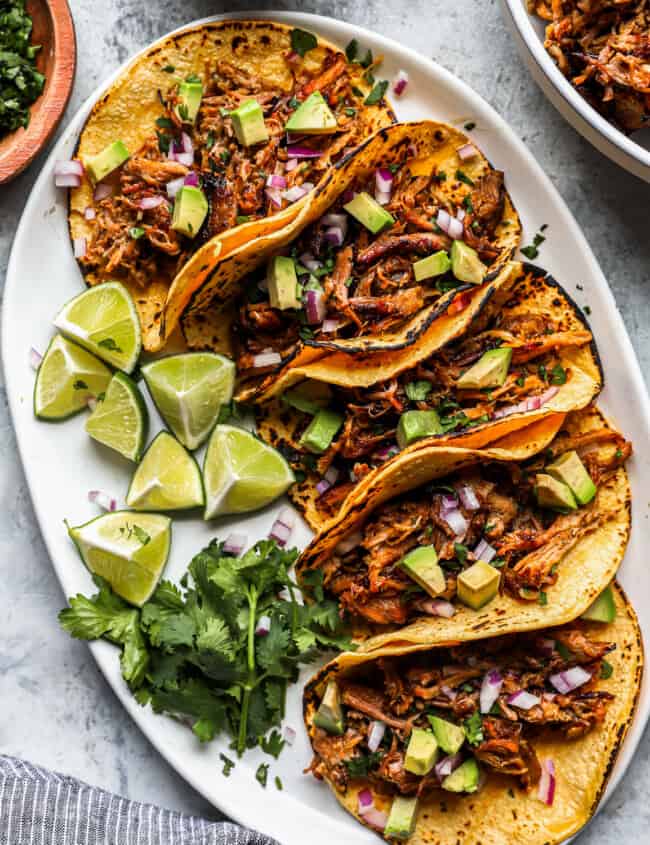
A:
[403,692]
[138,245]
[366,284]
[367,437]
[603,47]
[525,541]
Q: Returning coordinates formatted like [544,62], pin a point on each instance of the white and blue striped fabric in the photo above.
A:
[39,807]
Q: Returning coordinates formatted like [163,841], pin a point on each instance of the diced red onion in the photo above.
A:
[291,164]
[89,213]
[382,197]
[384,180]
[377,819]
[297,192]
[484,551]
[67,180]
[456,521]
[235,544]
[323,486]
[490,689]
[298,152]
[67,174]
[174,186]
[184,158]
[400,82]
[449,692]
[448,502]
[315,306]
[546,646]
[524,700]
[455,230]
[332,475]
[102,191]
[192,179]
[274,195]
[276,181]
[186,143]
[263,626]
[307,260]
[549,696]
[533,403]
[349,543]
[385,453]
[266,359]
[468,497]
[329,325]
[460,214]
[567,681]
[447,765]
[333,219]
[546,786]
[466,152]
[438,607]
[334,235]
[289,735]
[104,500]
[35,358]
[283,526]
[295,137]
[147,203]
[365,800]
[443,219]
[91,403]
[79,247]
[375,735]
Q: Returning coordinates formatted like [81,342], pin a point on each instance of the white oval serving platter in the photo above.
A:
[61,463]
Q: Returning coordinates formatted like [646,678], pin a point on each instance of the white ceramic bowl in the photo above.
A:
[631,153]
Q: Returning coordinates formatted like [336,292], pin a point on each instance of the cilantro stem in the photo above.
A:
[251,595]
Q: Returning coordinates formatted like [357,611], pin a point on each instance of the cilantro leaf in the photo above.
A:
[302,41]
[474,728]
[272,744]
[377,93]
[417,391]
[360,766]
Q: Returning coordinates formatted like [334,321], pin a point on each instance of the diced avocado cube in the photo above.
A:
[283,283]
[569,469]
[189,101]
[190,210]
[402,817]
[421,752]
[329,715]
[321,431]
[313,117]
[554,494]
[464,779]
[369,213]
[310,396]
[432,265]
[449,737]
[466,265]
[478,584]
[248,123]
[105,162]
[422,566]
[413,425]
[603,609]
[491,370]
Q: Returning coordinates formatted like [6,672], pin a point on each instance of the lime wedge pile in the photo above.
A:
[189,391]
[67,377]
[121,420]
[129,550]
[167,478]
[104,320]
[241,473]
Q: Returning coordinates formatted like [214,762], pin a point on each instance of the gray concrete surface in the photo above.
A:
[55,707]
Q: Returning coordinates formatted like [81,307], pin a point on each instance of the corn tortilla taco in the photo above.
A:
[527,354]
[508,739]
[209,109]
[362,269]
[473,543]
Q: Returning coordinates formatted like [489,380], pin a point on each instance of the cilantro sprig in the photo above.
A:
[192,651]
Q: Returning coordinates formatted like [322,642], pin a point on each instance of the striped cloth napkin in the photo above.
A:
[39,807]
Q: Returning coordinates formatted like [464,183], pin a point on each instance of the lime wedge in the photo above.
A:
[121,420]
[189,390]
[67,377]
[168,478]
[104,320]
[241,473]
[129,550]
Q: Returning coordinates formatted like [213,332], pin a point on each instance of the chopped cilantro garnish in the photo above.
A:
[461,553]
[228,765]
[272,744]
[474,728]
[351,50]
[463,177]
[302,41]
[606,670]
[359,767]
[192,78]
[532,250]
[542,598]
[558,375]
[163,142]
[350,112]
[164,123]
[224,155]
[242,218]
[169,69]
[520,381]
[262,774]
[587,310]
[278,783]
[417,391]
[562,650]
[20,82]
[293,103]
[377,93]
[470,125]
[541,371]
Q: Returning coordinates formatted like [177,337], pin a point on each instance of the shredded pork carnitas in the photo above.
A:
[529,542]
[402,691]
[603,47]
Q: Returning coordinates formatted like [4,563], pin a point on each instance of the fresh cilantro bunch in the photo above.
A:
[20,82]
[193,652]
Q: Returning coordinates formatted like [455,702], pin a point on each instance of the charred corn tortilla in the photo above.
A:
[496,813]
[586,558]
[128,111]
[424,150]
[570,380]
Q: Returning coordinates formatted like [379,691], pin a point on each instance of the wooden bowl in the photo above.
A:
[54,30]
